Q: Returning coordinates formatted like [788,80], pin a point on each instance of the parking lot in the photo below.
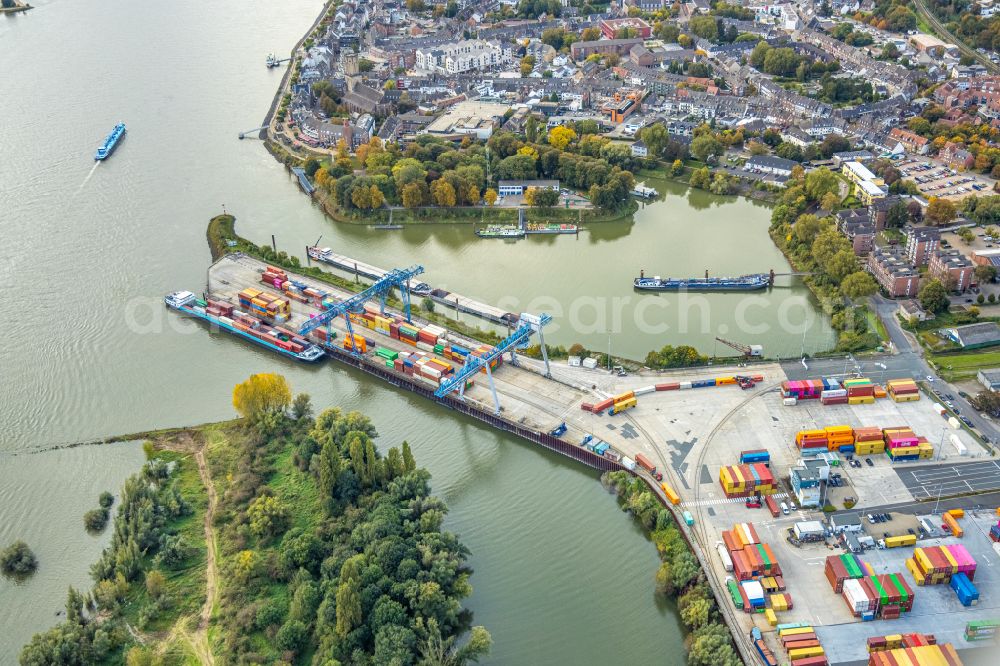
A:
[929,481]
[937,180]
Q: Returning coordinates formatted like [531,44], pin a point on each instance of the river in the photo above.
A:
[562,576]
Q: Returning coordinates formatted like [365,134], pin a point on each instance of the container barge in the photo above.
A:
[750,282]
[245,326]
[110,143]
[328,256]
[553,228]
[500,231]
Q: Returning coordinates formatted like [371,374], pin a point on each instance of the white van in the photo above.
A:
[784,508]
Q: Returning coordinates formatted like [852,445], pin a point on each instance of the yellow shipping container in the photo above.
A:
[957,513]
[720,381]
[772,619]
[947,555]
[861,400]
[921,558]
[839,430]
[802,653]
[903,540]
[738,478]
[793,632]
[909,397]
[778,602]
[725,478]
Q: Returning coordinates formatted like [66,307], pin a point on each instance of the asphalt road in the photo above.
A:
[908,361]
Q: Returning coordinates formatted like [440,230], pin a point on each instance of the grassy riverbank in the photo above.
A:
[679,577]
[235,540]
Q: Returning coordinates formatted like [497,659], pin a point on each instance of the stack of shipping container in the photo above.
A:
[885,596]
[964,589]
[901,444]
[903,390]
[981,630]
[951,522]
[806,389]
[860,391]
[811,442]
[896,641]
[746,480]
[995,532]
[919,655]
[840,438]
[935,565]
[833,393]
[868,441]
[264,305]
[840,568]
[801,644]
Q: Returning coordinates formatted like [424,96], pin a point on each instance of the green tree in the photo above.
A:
[531,129]
[268,516]
[985,273]
[705,27]
[696,613]
[705,146]
[934,297]
[105,500]
[830,201]
[940,211]
[156,583]
[858,285]
[96,520]
[655,137]
[701,178]
[409,463]
[819,182]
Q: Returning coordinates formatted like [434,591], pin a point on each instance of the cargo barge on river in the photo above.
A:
[110,143]
[246,326]
[752,282]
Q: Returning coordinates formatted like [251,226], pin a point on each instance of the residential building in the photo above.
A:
[851,156]
[777,166]
[974,336]
[953,269]
[986,257]
[518,187]
[639,149]
[612,28]
[893,272]
[990,378]
[464,56]
[911,310]
[921,243]
[856,226]
[582,50]
[623,103]
[849,521]
[868,186]
[911,141]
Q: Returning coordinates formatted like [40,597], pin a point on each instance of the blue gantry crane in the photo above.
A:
[527,325]
[397,277]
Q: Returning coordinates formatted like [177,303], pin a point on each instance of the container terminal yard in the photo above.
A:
[742,457]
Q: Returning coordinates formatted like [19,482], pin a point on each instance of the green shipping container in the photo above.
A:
[899,586]
[389,364]
[763,557]
[438,349]
[851,565]
[883,595]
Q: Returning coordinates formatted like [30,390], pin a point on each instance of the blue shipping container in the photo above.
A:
[761,457]
[964,589]
[702,383]
[847,448]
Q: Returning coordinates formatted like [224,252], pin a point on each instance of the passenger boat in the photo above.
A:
[500,231]
[742,283]
[110,143]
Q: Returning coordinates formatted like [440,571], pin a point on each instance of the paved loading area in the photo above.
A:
[929,481]
[936,609]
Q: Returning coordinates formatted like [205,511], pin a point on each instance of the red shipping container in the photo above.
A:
[604,404]
[586,406]
[785,640]
[668,386]
[801,644]
[731,543]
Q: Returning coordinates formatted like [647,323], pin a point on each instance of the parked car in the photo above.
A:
[869,461]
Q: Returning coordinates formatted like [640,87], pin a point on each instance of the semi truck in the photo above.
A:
[643,462]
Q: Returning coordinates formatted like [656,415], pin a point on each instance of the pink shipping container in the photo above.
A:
[966,563]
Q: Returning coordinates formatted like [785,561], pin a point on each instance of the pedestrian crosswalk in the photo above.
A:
[717,501]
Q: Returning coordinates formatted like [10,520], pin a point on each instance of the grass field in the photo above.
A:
[956,367]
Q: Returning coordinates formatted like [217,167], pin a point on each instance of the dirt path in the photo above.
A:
[199,639]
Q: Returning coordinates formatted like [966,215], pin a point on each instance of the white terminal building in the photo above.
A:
[465,56]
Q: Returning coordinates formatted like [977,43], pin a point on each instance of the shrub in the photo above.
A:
[18,560]
[95,520]
[106,499]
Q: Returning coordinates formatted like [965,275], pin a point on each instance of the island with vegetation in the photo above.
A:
[280,538]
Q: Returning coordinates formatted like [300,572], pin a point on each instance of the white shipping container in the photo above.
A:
[590,363]
[954,423]
[628,463]
[754,590]
[198,308]
[789,402]
[996,547]
[685,385]
[959,446]
[938,408]
[226,320]
[573,361]
[425,347]
[834,393]
[855,596]
[644,390]
[727,562]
